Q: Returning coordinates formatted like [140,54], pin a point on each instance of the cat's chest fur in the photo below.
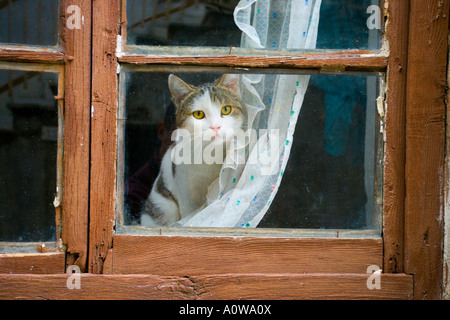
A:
[190,183]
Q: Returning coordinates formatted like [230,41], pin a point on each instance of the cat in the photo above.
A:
[181,189]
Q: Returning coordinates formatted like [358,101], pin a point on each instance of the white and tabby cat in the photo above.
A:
[181,189]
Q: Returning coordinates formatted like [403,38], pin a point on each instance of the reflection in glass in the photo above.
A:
[29,22]
[182,23]
[327,175]
[28,151]
[342,24]
[331,179]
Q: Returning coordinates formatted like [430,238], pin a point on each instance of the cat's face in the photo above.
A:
[214,110]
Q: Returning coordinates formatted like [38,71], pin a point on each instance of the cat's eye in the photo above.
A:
[198,114]
[226,110]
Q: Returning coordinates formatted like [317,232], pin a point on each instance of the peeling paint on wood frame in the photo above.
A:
[446,260]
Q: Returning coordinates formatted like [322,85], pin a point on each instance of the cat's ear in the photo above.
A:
[230,81]
[178,88]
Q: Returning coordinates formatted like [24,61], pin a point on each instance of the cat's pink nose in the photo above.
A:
[216,128]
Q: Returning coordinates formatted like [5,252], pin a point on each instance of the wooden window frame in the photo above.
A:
[72,55]
[225,267]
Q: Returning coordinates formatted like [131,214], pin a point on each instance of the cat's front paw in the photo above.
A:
[148,221]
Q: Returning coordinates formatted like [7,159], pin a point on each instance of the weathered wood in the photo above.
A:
[103,131]
[394,162]
[340,61]
[306,286]
[75,203]
[41,55]
[425,145]
[37,263]
[178,255]
[219,287]
[123,22]
[446,258]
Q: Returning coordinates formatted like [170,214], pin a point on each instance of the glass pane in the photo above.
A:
[28,151]
[300,151]
[332,179]
[257,24]
[29,22]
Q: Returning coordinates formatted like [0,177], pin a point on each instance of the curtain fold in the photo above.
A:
[253,171]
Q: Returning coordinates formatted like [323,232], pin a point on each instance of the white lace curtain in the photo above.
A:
[245,189]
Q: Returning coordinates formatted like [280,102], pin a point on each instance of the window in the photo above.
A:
[330,132]
[354,94]
[29,23]
[29,155]
[337,191]
[31,128]
[43,141]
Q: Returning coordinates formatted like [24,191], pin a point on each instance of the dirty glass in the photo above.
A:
[28,155]
[29,22]
[328,168]
[342,24]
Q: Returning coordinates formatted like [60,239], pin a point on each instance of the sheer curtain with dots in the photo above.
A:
[253,172]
